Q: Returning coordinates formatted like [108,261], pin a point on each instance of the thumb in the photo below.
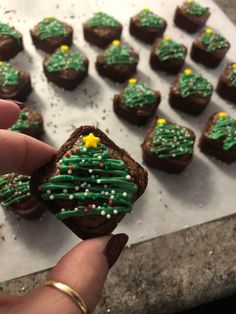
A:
[84,269]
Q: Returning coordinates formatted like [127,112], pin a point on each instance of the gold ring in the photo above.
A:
[70,292]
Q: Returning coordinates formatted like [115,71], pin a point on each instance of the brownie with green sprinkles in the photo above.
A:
[226,86]
[11,42]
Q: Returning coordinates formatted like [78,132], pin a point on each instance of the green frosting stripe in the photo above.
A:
[149,19]
[232,77]
[138,95]
[90,177]
[194,8]
[23,123]
[50,27]
[8,74]
[65,60]
[214,41]
[224,128]
[120,54]
[194,84]
[170,141]
[169,49]
[101,19]
[8,30]
[13,189]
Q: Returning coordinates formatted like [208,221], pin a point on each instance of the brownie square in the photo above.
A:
[10,42]
[90,184]
[102,29]
[226,86]
[14,83]
[209,48]
[136,103]
[147,26]
[66,68]
[50,33]
[191,16]
[190,92]
[118,62]
[219,137]
[167,55]
[168,146]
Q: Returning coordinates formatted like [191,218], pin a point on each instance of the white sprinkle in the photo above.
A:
[90,170]
[77,188]
[105,186]
[48,191]
[65,190]
[89,185]
[93,206]
[106,193]
[112,197]
[99,157]
[69,171]
[108,310]
[103,213]
[28,193]
[113,192]
[63,210]
[99,181]
[84,149]
[124,194]
[51,197]
[87,190]
[60,161]
[93,176]
[82,160]
[76,209]
[71,197]
[99,207]
[108,216]
[85,193]
[115,211]
[128,177]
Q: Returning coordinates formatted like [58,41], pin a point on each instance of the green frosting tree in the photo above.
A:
[101,19]
[213,41]
[50,27]
[168,49]
[8,74]
[119,53]
[148,18]
[10,31]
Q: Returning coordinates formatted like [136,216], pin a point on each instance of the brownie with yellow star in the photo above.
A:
[209,48]
[226,87]
[191,16]
[90,184]
[168,146]
[190,92]
[218,138]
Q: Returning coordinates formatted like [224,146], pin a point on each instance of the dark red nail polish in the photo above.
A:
[114,248]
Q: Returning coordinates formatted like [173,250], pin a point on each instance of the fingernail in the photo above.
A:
[114,248]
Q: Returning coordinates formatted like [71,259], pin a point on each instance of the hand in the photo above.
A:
[85,267]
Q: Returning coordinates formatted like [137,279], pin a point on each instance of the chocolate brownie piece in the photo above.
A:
[168,146]
[102,29]
[30,122]
[10,42]
[15,195]
[147,26]
[191,16]
[190,92]
[137,102]
[118,62]
[66,68]
[90,184]
[14,83]
[219,137]
[167,55]
[50,33]
[226,86]
[209,48]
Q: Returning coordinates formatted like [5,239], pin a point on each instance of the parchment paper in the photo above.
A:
[205,191]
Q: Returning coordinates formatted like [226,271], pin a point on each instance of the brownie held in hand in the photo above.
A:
[190,92]
[226,86]
[66,68]
[137,102]
[147,26]
[118,62]
[191,16]
[15,195]
[219,137]
[14,83]
[167,55]
[102,29]
[168,146]
[50,33]
[90,184]
[209,48]
[10,42]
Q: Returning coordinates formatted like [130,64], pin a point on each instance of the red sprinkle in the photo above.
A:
[110,202]
[100,151]
[89,206]
[68,154]
[70,167]
[77,150]
[101,165]
[85,210]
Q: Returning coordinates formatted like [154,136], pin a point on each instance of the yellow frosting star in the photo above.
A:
[234,65]
[208,30]
[190,1]
[188,71]
[223,115]
[49,17]
[1,62]
[64,47]
[166,37]
[146,9]
[161,121]
[91,140]
[116,42]
[132,81]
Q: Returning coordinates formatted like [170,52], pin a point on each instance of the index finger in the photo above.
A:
[21,153]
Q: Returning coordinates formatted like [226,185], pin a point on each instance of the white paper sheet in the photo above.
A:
[205,191]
